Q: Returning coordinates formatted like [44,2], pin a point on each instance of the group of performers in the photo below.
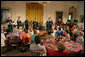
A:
[35,24]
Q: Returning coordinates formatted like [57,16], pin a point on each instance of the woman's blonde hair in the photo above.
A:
[60,46]
[81,33]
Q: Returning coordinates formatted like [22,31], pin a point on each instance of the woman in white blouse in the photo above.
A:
[37,47]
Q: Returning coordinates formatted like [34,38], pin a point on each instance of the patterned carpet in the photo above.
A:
[17,53]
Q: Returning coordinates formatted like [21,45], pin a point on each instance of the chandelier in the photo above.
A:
[44,2]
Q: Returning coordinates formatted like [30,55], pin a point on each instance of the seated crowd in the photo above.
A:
[35,40]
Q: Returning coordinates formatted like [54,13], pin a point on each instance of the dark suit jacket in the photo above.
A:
[18,22]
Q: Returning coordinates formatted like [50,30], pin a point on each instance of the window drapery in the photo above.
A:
[34,11]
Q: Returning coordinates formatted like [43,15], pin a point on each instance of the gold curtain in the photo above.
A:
[34,11]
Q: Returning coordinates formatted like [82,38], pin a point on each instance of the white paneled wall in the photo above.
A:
[18,8]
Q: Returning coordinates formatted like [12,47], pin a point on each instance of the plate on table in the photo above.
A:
[48,42]
[75,46]
[55,48]
[50,45]
[70,48]
[66,42]
[72,41]
[69,44]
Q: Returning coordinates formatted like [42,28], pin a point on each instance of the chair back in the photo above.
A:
[26,40]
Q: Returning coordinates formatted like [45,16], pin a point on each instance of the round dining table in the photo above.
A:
[71,47]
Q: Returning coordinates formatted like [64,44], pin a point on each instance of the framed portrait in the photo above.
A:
[5,13]
[59,15]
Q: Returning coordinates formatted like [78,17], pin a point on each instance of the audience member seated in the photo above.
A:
[20,31]
[80,39]
[53,34]
[4,31]
[59,32]
[76,32]
[26,35]
[67,35]
[73,27]
[30,31]
[67,28]
[60,51]
[2,41]
[82,28]
[14,33]
[37,48]
[60,38]
[8,33]
[76,28]
[33,36]
[71,34]
[37,30]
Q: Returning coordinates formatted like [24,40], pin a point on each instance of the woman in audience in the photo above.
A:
[26,35]
[8,33]
[37,30]
[82,28]
[14,33]
[76,28]
[53,33]
[20,31]
[2,41]
[67,28]
[80,39]
[60,51]
[33,36]
[30,31]
[61,48]
[67,35]
[4,31]
[61,28]
[59,32]
[71,34]
[76,32]
[36,47]
[8,30]
[73,27]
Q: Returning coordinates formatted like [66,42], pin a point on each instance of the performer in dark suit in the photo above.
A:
[18,22]
[40,26]
[47,24]
[35,24]
[50,24]
[10,25]
[8,20]
[26,24]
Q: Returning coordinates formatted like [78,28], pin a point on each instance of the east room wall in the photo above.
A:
[18,8]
